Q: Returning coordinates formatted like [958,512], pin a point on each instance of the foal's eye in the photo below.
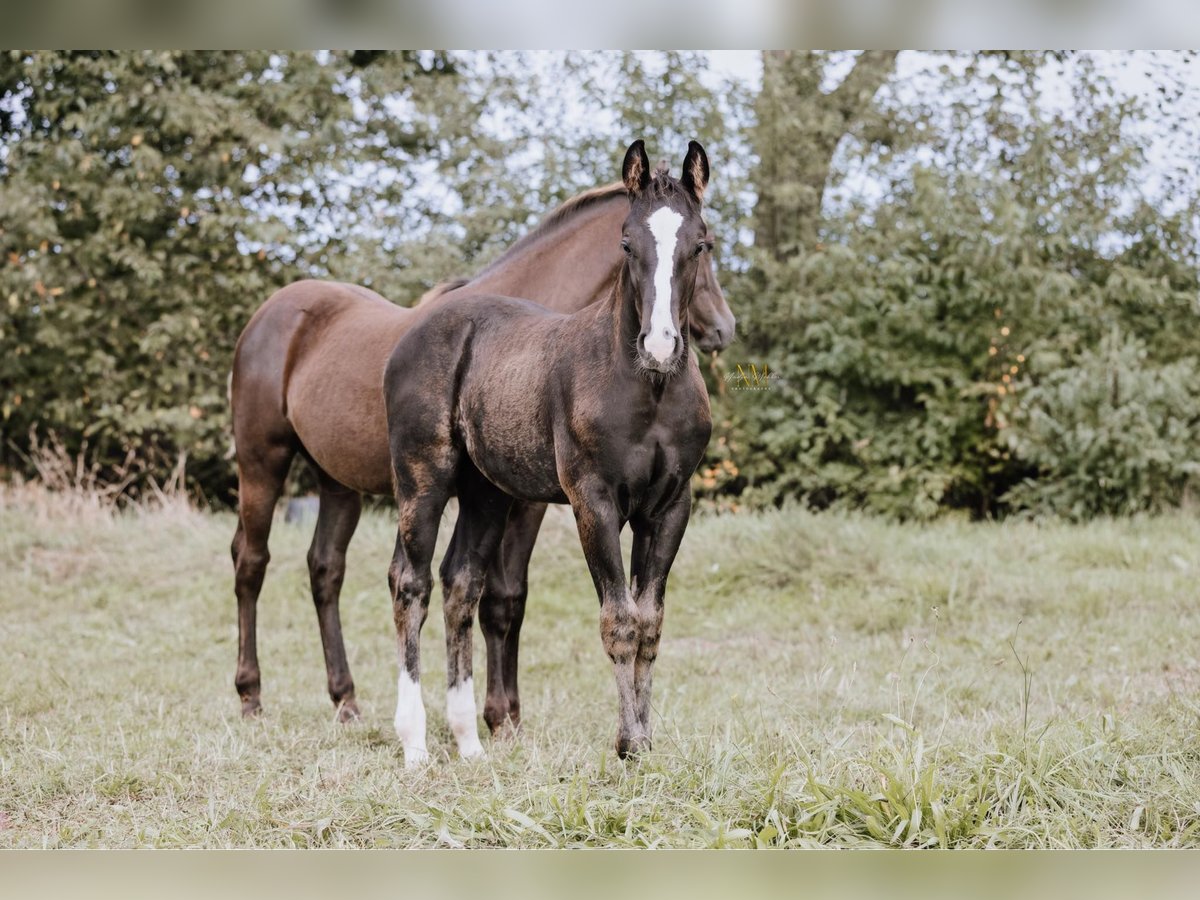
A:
[626,249]
[700,248]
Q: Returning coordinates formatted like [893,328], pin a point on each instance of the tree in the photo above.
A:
[154,200]
[799,127]
[1000,246]
[138,188]
[946,259]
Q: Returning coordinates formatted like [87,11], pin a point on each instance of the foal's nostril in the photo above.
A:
[662,345]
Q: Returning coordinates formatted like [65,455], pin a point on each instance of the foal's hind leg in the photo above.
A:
[482,511]
[422,490]
[261,473]
[501,612]
[338,517]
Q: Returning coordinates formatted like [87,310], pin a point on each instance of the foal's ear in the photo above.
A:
[695,171]
[635,172]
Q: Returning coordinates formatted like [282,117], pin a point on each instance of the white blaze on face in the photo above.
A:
[460,712]
[664,224]
[410,720]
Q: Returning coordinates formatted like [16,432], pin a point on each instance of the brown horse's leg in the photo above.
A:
[336,521]
[501,612]
[482,513]
[655,543]
[261,473]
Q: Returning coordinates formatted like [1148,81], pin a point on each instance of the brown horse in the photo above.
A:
[493,398]
[307,379]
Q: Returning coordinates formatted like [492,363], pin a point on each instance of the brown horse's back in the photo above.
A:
[309,368]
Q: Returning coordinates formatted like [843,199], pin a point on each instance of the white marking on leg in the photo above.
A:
[460,712]
[664,224]
[410,720]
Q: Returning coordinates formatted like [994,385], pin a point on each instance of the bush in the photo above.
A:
[1112,434]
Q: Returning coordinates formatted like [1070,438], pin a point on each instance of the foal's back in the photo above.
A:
[487,363]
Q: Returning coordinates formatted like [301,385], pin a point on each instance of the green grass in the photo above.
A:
[823,680]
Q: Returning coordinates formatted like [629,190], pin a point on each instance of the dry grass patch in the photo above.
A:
[824,680]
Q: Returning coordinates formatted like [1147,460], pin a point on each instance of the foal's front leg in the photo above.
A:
[600,534]
[656,540]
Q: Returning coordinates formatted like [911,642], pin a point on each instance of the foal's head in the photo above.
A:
[663,239]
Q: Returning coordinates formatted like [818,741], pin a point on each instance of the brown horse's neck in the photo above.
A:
[572,264]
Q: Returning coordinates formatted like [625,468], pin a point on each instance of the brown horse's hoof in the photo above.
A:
[348,712]
[251,708]
[507,730]
[502,723]
[630,747]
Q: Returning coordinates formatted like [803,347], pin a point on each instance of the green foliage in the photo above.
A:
[154,200]
[925,266]
[127,276]
[1110,435]
[925,352]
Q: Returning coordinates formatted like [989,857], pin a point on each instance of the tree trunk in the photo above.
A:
[798,131]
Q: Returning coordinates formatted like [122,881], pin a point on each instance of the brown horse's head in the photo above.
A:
[663,238]
[711,320]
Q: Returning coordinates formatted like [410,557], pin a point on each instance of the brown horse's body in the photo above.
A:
[307,378]
[303,327]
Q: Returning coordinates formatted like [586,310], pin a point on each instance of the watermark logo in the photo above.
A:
[750,377]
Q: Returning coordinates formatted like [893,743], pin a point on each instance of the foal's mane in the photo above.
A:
[442,287]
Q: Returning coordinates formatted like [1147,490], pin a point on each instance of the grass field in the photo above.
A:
[823,681]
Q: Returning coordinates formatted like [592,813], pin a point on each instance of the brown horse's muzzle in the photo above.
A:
[715,335]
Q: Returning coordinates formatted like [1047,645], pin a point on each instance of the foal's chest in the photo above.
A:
[649,445]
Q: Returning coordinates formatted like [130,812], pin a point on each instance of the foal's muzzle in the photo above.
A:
[659,352]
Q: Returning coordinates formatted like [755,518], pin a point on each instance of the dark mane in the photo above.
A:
[662,187]
[442,287]
[567,210]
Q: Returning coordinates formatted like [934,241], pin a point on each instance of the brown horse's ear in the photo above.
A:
[695,171]
[635,172]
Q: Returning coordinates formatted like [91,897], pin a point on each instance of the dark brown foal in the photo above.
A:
[494,398]
[307,379]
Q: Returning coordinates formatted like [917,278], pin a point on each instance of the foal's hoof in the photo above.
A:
[251,708]
[348,712]
[628,747]
[415,758]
